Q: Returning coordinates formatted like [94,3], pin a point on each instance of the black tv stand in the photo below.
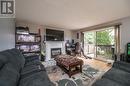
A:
[128,58]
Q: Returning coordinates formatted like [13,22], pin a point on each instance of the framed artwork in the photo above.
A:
[77,35]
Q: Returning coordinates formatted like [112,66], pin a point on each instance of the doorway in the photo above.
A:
[100,43]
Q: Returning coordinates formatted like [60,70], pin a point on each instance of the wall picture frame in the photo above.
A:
[77,35]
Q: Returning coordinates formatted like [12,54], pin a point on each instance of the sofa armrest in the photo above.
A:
[122,66]
[106,82]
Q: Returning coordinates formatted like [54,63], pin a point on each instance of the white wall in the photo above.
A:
[125,33]
[7,33]
[58,44]
[74,36]
[33,27]
[49,44]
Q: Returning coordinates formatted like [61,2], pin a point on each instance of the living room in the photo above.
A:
[64,43]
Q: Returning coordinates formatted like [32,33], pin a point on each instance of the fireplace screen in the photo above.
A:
[55,52]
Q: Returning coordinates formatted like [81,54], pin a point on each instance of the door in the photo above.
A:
[100,43]
[89,44]
[105,43]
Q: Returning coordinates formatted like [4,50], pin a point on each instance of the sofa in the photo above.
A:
[118,75]
[18,70]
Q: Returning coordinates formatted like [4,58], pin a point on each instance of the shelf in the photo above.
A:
[31,52]
[30,41]
[27,43]
[35,34]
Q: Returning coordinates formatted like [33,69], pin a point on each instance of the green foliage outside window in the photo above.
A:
[104,37]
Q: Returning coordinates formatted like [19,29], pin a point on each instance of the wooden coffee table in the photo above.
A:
[70,65]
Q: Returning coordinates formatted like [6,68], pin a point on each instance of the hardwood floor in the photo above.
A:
[100,65]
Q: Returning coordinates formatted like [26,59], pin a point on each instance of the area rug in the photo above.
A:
[86,78]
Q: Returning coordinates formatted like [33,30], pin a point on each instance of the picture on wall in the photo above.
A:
[77,35]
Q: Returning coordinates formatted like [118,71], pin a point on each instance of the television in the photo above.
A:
[54,35]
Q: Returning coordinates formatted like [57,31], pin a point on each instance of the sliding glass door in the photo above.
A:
[89,44]
[100,43]
[105,43]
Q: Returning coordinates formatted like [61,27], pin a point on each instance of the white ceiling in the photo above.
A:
[71,14]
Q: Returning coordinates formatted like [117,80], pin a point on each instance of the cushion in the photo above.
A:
[32,68]
[118,76]
[19,56]
[106,82]
[3,60]
[36,79]
[28,70]
[122,65]
[15,58]
[34,62]
[9,76]
[31,58]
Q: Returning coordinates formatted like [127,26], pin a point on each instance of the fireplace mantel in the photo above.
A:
[52,45]
[55,52]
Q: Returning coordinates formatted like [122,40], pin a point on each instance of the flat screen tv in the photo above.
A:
[54,35]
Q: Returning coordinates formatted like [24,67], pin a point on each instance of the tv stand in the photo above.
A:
[128,52]
[128,58]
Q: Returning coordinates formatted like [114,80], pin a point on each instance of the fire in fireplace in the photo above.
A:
[55,52]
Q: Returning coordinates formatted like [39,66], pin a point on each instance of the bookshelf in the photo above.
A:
[28,43]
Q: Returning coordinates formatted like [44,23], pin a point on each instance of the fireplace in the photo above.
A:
[55,52]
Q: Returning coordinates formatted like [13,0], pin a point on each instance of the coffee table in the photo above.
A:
[69,64]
